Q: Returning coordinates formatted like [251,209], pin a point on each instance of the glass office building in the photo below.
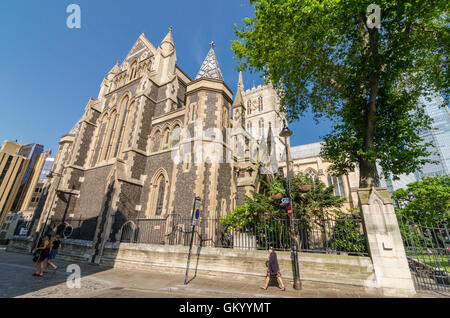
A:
[439,136]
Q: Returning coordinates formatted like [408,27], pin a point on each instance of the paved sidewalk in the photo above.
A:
[16,280]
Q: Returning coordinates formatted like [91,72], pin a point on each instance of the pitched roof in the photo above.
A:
[210,67]
[305,151]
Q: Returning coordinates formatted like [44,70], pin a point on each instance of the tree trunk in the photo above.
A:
[368,170]
[368,175]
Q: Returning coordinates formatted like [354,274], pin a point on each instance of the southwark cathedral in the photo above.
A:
[155,139]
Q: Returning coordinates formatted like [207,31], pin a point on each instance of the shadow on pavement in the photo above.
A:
[17,280]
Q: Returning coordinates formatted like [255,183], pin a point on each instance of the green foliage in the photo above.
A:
[307,206]
[426,201]
[315,204]
[412,237]
[322,57]
[346,236]
[310,208]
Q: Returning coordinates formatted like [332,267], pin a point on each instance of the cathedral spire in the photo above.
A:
[241,81]
[210,67]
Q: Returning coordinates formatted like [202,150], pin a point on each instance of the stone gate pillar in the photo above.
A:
[385,243]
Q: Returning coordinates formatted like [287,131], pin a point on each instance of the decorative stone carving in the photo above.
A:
[144,56]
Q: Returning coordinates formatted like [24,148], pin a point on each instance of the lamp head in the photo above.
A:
[285,132]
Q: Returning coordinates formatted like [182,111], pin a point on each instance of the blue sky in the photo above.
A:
[48,72]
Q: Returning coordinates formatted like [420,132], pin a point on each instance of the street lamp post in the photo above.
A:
[285,133]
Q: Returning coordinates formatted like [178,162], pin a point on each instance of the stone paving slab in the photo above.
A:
[16,280]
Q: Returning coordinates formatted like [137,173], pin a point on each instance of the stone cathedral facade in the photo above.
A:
[117,164]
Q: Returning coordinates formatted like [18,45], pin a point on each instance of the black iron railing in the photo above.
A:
[328,235]
[427,249]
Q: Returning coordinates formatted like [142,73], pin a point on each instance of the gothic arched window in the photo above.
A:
[160,196]
[101,132]
[176,135]
[133,70]
[311,175]
[338,184]
[260,104]
[166,141]
[156,142]
[261,127]
[127,129]
[121,127]
[159,191]
[249,127]
[111,130]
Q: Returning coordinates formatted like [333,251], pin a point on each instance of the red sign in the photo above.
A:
[156,227]
[290,211]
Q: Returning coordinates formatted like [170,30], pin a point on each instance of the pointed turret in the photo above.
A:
[210,67]
[239,99]
[241,82]
[115,68]
[165,60]
[167,45]
[238,105]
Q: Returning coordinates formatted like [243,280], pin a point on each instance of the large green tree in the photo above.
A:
[328,56]
[426,201]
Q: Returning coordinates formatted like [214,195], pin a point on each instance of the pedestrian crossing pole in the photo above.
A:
[195,218]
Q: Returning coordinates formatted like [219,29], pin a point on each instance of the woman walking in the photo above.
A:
[55,246]
[45,252]
[273,270]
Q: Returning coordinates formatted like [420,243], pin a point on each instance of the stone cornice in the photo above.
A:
[212,85]
[123,87]
[131,180]
[168,116]
[76,167]
[365,195]
[69,191]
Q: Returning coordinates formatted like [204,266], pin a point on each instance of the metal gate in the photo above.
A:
[427,249]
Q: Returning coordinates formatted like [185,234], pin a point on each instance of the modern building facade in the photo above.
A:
[438,136]
[20,167]
[12,171]
[31,187]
